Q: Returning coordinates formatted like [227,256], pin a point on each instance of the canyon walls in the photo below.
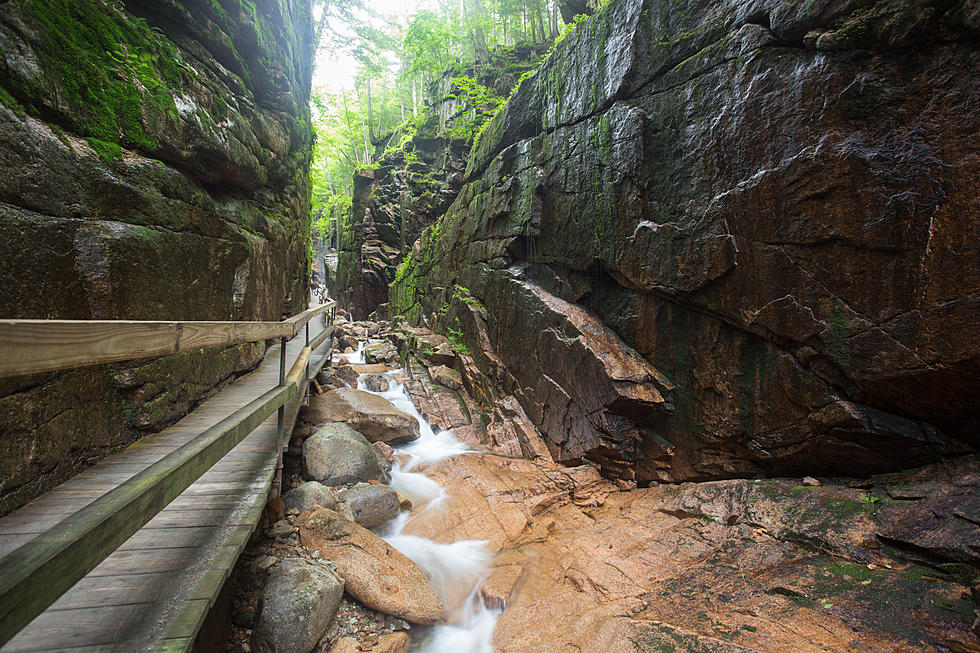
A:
[154,160]
[728,239]
[417,176]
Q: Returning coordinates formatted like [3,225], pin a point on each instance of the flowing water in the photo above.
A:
[457,569]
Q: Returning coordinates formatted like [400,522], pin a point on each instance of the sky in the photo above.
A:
[335,70]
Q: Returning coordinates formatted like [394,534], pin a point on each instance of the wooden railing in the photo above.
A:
[33,576]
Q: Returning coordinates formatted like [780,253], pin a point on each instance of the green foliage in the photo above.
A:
[566,30]
[329,213]
[479,103]
[8,99]
[457,342]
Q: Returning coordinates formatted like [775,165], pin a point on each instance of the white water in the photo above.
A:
[357,358]
[456,570]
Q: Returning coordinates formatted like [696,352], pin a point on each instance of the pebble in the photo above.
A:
[809,480]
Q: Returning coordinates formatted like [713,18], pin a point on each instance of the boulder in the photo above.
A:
[373,416]
[309,494]
[298,603]
[376,383]
[443,355]
[345,375]
[371,504]
[380,352]
[377,368]
[446,376]
[389,643]
[374,572]
[337,455]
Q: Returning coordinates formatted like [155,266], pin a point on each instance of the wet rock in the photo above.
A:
[386,450]
[309,494]
[500,585]
[376,383]
[374,572]
[443,355]
[371,505]
[380,352]
[498,499]
[390,643]
[345,376]
[810,481]
[379,368]
[336,455]
[934,510]
[805,329]
[373,416]
[264,563]
[446,376]
[404,502]
[298,603]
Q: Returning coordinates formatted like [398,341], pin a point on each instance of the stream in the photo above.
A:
[456,569]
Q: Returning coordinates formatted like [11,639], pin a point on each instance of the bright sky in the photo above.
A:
[336,70]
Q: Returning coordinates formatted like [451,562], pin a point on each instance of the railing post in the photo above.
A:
[311,353]
[280,419]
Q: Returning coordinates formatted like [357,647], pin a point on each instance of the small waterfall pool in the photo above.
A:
[456,570]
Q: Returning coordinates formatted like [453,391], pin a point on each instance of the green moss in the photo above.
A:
[109,68]
[8,99]
[109,152]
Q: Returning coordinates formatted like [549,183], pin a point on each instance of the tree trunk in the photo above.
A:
[480,45]
[370,115]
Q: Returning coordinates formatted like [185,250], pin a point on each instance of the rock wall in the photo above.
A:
[761,217]
[418,175]
[153,165]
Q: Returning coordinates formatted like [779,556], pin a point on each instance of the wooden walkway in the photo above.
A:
[153,592]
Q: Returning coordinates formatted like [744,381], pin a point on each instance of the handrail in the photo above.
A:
[33,346]
[300,319]
[34,575]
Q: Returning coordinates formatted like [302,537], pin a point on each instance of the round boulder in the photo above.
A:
[298,603]
[309,494]
[376,382]
[338,455]
[371,505]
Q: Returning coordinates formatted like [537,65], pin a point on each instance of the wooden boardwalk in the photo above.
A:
[153,592]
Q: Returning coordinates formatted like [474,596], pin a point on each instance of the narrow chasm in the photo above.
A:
[639,326]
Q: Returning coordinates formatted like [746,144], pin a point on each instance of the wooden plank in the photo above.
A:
[123,589]
[192,536]
[33,346]
[81,627]
[36,574]
[144,561]
[177,645]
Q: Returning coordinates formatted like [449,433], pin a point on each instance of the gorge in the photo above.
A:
[657,332]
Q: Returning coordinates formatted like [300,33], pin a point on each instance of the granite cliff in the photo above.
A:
[155,166]
[727,239]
